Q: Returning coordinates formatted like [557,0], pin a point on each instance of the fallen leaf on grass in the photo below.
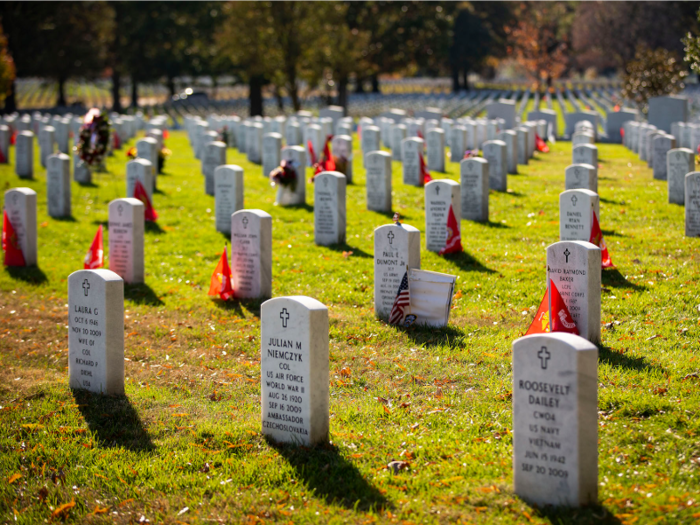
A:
[396,466]
[63,510]
[99,510]
[14,478]
[653,337]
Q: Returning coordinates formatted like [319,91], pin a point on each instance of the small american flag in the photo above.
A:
[402,300]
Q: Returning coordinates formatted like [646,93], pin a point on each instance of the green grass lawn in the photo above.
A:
[184,445]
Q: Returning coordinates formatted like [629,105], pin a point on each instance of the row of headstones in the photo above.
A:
[671,163]
[554,375]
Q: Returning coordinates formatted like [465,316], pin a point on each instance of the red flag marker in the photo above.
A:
[622,133]
[541,144]
[13,138]
[540,324]
[327,161]
[453,244]
[166,134]
[423,169]
[312,154]
[140,194]
[95,256]
[221,280]
[598,239]
[10,244]
[559,315]
[116,141]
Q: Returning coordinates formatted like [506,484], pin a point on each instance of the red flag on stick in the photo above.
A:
[327,161]
[221,280]
[140,194]
[95,256]
[312,154]
[453,244]
[423,169]
[541,144]
[598,239]
[10,244]
[559,315]
[166,134]
[13,138]
[116,141]
[540,324]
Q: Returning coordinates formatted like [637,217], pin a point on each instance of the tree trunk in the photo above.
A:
[116,88]
[255,95]
[375,84]
[61,92]
[11,100]
[466,79]
[455,79]
[294,94]
[279,99]
[134,93]
[343,93]
[359,86]
[171,87]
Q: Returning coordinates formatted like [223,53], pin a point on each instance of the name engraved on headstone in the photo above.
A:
[692,204]
[126,239]
[20,205]
[329,208]
[251,254]
[474,182]
[378,178]
[395,248]
[575,217]
[679,162]
[228,195]
[439,196]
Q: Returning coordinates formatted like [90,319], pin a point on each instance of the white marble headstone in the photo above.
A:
[412,147]
[314,134]
[254,143]
[147,148]
[370,140]
[679,162]
[510,138]
[5,133]
[47,140]
[20,205]
[581,176]
[329,208]
[575,217]
[474,182]
[251,254]
[396,246]
[81,171]
[96,331]
[555,429]
[458,143]
[692,204]
[439,196]
[378,180]
[126,239]
[341,147]
[292,133]
[271,152]
[495,152]
[295,370]
[662,144]
[58,189]
[521,139]
[398,133]
[575,269]
[228,194]
[586,154]
[213,156]
[286,196]
[141,170]
[435,141]
[24,155]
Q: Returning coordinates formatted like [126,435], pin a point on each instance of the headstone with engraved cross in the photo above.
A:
[126,239]
[575,269]
[96,331]
[228,195]
[440,195]
[575,214]
[20,205]
[581,176]
[294,370]
[555,409]
[396,247]
[329,208]
[251,254]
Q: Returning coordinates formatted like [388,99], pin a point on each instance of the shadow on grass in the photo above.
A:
[345,247]
[612,233]
[153,227]
[610,201]
[305,206]
[70,218]
[141,293]
[466,262]
[240,306]
[597,513]
[613,277]
[492,224]
[429,336]
[87,184]
[618,359]
[332,477]
[114,420]
[105,224]
[28,274]
[159,191]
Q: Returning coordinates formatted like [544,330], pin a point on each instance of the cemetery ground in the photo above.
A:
[185,444]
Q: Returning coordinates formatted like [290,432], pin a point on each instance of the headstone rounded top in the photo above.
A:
[589,193]
[228,167]
[575,342]
[150,140]
[49,128]
[495,143]
[140,160]
[26,134]
[105,275]
[335,174]
[378,153]
[587,146]
[217,144]
[131,201]
[24,191]
[581,165]
[308,302]
[478,160]
[447,182]
[404,227]
[585,245]
[273,134]
[60,156]
[260,213]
